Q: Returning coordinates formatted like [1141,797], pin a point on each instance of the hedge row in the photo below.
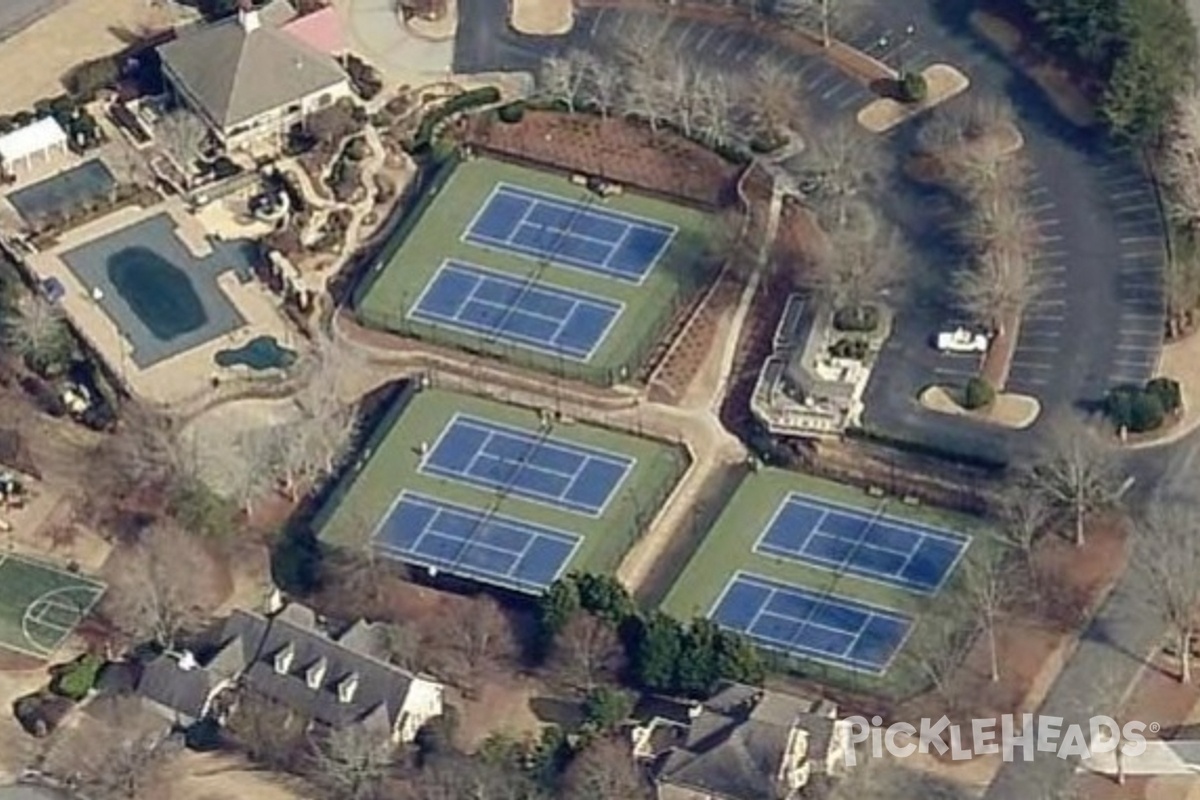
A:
[475,98]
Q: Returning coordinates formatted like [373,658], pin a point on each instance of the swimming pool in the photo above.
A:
[260,353]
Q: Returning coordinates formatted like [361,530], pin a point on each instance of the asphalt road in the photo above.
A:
[18,14]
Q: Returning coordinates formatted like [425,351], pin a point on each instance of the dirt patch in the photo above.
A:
[1054,79]
[502,705]
[542,17]
[1015,411]
[75,33]
[1034,640]
[617,150]
[943,81]
[222,776]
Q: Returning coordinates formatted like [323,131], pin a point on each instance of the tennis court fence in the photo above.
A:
[625,370]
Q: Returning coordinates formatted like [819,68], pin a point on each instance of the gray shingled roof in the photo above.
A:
[735,747]
[245,647]
[183,691]
[236,74]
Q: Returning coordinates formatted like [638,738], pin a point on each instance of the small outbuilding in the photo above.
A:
[36,143]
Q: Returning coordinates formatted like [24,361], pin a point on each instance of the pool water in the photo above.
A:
[157,291]
[261,352]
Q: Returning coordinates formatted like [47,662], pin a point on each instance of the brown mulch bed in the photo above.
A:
[616,150]
[799,241]
[1072,582]
[677,372]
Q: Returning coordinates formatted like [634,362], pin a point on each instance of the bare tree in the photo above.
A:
[991,588]
[1079,475]
[271,733]
[856,270]
[353,761]
[776,95]
[1179,160]
[38,334]
[405,644]
[562,78]
[943,646]
[602,84]
[1023,514]
[166,587]
[118,758]
[712,107]
[998,284]
[605,770]
[838,165]
[251,465]
[183,134]
[474,635]
[1168,560]
[587,651]
[954,126]
[825,15]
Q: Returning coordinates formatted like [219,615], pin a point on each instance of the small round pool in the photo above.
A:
[261,352]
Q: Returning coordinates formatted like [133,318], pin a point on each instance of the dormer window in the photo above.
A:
[284,658]
[315,676]
[347,688]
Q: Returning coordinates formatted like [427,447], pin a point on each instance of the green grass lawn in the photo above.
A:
[728,548]
[40,605]
[350,516]
[386,295]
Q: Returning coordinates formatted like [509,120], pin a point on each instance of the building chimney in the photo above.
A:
[316,673]
[248,16]
[283,659]
[347,688]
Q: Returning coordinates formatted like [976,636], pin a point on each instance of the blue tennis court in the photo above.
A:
[826,628]
[526,313]
[528,464]
[881,548]
[572,233]
[472,543]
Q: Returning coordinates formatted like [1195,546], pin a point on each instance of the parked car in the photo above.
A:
[962,340]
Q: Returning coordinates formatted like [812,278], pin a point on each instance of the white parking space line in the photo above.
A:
[1050,237]
[1030,365]
[1141,254]
[823,79]
[1135,239]
[1133,208]
[1026,348]
[1043,318]
[1142,193]
[1124,180]
[1043,207]
[1039,190]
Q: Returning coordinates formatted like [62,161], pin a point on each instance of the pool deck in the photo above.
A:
[185,376]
